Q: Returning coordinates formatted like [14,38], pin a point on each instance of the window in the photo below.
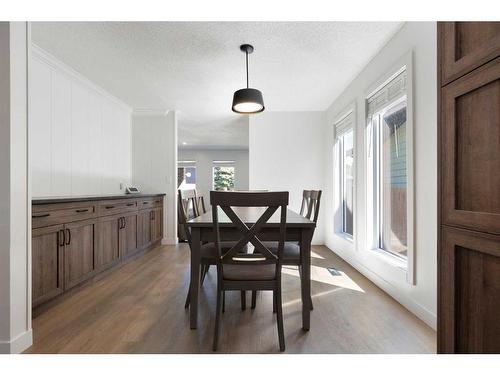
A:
[223,175]
[388,158]
[186,175]
[345,150]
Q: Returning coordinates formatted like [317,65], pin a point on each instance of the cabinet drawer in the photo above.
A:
[118,206]
[149,203]
[52,214]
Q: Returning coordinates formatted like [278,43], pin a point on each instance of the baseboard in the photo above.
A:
[18,345]
[169,241]
[428,317]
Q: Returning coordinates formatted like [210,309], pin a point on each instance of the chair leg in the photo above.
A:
[274,302]
[223,301]
[188,299]
[279,320]
[309,298]
[243,299]
[217,319]
[254,299]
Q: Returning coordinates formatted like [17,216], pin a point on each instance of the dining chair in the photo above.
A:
[309,208]
[188,199]
[249,271]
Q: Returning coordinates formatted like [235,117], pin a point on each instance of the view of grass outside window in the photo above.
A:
[223,178]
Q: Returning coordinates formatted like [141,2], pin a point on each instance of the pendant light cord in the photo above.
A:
[246,53]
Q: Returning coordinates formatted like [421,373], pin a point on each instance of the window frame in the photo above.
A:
[372,171]
[339,172]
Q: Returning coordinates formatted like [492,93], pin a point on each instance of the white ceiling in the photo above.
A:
[194,67]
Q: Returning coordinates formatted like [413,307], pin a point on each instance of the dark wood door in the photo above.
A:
[108,249]
[144,228]
[470,292]
[47,263]
[128,235]
[79,252]
[157,224]
[471,150]
[469,180]
[466,46]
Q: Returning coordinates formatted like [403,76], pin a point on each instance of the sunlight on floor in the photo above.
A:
[323,275]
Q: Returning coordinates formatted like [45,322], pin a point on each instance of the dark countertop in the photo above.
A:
[85,198]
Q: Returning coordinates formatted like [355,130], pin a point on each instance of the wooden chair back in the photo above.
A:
[310,204]
[186,200]
[272,201]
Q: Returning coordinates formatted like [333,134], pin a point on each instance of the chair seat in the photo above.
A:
[249,272]
[291,251]
[208,250]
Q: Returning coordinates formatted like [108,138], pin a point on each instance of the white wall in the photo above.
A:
[81,134]
[286,152]
[420,38]
[154,162]
[204,163]
[15,212]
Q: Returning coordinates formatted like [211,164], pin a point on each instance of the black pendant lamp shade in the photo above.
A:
[247,100]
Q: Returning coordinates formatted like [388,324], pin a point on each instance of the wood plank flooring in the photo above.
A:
[139,308]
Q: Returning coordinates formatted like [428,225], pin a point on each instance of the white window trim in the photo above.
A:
[337,229]
[404,62]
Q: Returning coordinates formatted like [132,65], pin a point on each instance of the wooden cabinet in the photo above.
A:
[156,224]
[79,250]
[144,228]
[108,250]
[128,235]
[466,46]
[469,181]
[47,263]
[74,241]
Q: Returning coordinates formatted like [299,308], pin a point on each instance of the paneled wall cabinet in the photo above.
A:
[469,178]
[74,239]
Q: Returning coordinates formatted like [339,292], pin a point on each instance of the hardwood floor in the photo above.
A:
[139,308]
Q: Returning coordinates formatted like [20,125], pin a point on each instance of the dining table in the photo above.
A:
[298,229]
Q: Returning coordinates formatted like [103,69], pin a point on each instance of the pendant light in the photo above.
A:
[247,100]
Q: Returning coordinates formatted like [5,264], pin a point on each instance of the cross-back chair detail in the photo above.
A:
[310,204]
[262,257]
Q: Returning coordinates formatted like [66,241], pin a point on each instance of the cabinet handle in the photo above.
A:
[41,215]
[157,201]
[61,237]
[145,202]
[83,210]
[130,204]
[69,236]
[124,222]
[108,207]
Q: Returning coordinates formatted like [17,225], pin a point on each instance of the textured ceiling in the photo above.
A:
[194,67]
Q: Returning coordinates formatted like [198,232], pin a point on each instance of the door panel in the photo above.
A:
[47,263]
[128,235]
[466,46]
[144,228]
[156,225]
[471,150]
[470,295]
[108,251]
[79,252]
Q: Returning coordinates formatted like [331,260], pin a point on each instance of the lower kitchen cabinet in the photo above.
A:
[108,250]
[72,241]
[47,263]
[79,250]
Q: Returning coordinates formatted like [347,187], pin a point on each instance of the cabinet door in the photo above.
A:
[466,46]
[47,263]
[144,228]
[108,250]
[79,252]
[469,292]
[470,150]
[128,235]
[156,224]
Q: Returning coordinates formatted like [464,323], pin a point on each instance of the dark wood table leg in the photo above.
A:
[305,254]
[195,276]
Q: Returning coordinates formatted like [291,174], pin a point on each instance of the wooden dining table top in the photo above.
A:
[249,215]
